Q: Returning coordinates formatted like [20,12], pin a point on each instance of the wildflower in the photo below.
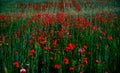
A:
[42,62]
[51,58]
[43,42]
[80,72]
[71,46]
[97,45]
[16,64]
[85,46]
[16,52]
[103,33]
[104,62]
[47,48]
[31,52]
[61,18]
[82,51]
[67,49]
[18,32]
[70,37]
[97,61]
[110,38]
[41,37]
[22,70]
[71,68]
[57,66]
[82,65]
[54,43]
[94,28]
[66,61]
[60,34]
[89,53]
[1,41]
[85,61]
[106,72]
[30,41]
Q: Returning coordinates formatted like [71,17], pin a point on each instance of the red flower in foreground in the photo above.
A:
[66,61]
[16,64]
[22,70]
[57,66]
[71,68]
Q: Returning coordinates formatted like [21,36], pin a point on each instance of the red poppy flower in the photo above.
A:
[31,52]
[54,43]
[41,37]
[94,28]
[16,52]
[30,41]
[57,66]
[106,72]
[82,65]
[42,62]
[85,61]
[67,49]
[97,61]
[89,53]
[71,46]
[104,62]
[82,51]
[103,33]
[1,41]
[47,48]
[16,64]
[43,42]
[110,38]
[85,46]
[66,61]
[81,72]
[51,58]
[71,68]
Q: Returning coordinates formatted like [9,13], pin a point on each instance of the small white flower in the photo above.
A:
[27,64]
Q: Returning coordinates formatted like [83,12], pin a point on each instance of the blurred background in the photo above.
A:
[34,6]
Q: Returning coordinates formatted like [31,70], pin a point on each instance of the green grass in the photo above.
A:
[22,35]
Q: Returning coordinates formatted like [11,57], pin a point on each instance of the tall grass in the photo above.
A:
[60,42]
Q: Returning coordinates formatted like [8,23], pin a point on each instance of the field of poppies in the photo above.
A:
[47,38]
